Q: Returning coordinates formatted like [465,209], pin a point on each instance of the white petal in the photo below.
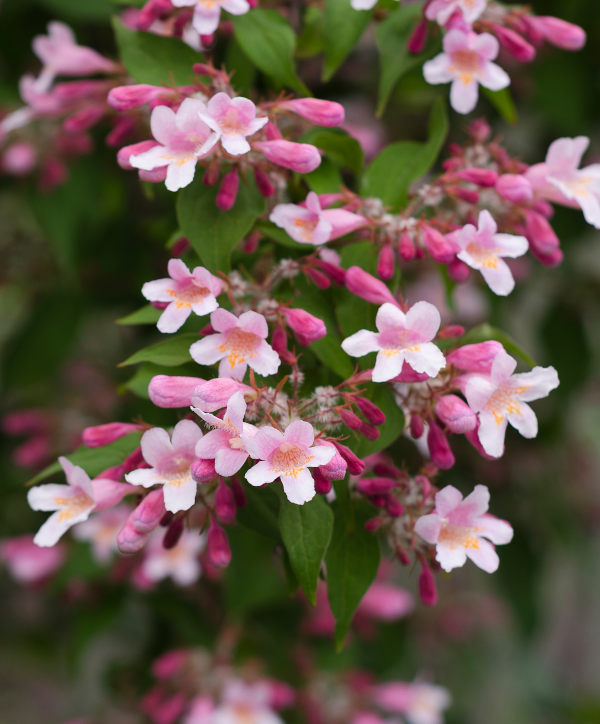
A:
[524,420]
[463,96]
[484,556]
[388,365]
[438,70]
[491,433]
[299,489]
[361,343]
[450,558]
[499,279]
[173,318]
[180,497]
[494,77]
[426,358]
[261,473]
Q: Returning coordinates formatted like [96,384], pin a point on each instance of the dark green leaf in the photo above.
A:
[145,315]
[170,352]
[325,179]
[261,512]
[343,28]
[338,145]
[503,102]
[88,10]
[306,532]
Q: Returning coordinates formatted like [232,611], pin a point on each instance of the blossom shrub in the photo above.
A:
[309,376]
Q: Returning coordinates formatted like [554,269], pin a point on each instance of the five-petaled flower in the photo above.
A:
[442,10]
[501,398]
[180,563]
[401,337]
[482,248]
[208,12]
[287,456]
[185,291]
[171,459]
[183,138]
[462,529]
[467,63]
[231,120]
[239,343]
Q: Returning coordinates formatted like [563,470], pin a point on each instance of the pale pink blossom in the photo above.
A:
[27,562]
[400,337]
[101,531]
[287,456]
[559,178]
[208,12]
[186,292]
[183,138]
[245,703]
[224,444]
[171,459]
[462,529]
[419,702]
[310,224]
[466,63]
[482,248]
[180,563]
[442,10]
[231,120]
[240,342]
[501,398]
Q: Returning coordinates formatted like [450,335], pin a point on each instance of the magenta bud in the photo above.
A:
[238,493]
[318,278]
[418,37]
[279,342]
[374,524]
[425,484]
[300,157]
[227,194]
[214,394]
[126,97]
[203,471]
[173,533]
[336,468]
[125,153]
[149,512]
[450,331]
[439,449]
[427,587]
[479,130]
[458,271]
[368,431]
[129,540]
[558,32]
[387,471]
[334,272]
[475,357]
[540,234]
[322,484]
[394,507]
[170,664]
[437,245]
[516,44]
[376,486]
[469,196]
[320,112]
[402,556]
[310,327]
[479,176]
[406,249]
[417,427]
[350,419]
[217,545]
[365,286]
[225,506]
[272,133]
[514,187]
[455,414]
[553,259]
[211,175]
[355,465]
[134,460]
[370,410]
[101,435]
[84,119]
[386,263]
[263,183]
[168,391]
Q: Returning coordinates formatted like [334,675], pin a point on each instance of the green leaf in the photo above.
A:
[170,352]
[310,41]
[145,315]
[261,512]
[268,40]
[214,233]
[88,10]
[392,36]
[338,145]
[502,100]
[485,332]
[155,59]
[352,560]
[326,178]
[343,28]
[306,532]
[94,459]
[400,164]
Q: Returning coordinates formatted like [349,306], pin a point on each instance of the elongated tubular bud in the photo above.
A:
[149,512]
[355,465]
[427,587]
[173,534]
[455,414]
[228,191]
[101,435]
[437,245]
[217,545]
[367,287]
[376,486]
[170,392]
[370,410]
[386,263]
[225,506]
[439,449]
[300,157]
[320,112]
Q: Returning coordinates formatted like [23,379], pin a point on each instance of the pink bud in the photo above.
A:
[322,484]
[227,194]
[333,271]
[84,119]
[250,244]
[516,45]
[355,465]
[19,159]
[540,234]
[439,449]
[417,427]
[394,507]
[319,279]
[23,422]
[129,540]
[364,285]
[469,196]
[33,452]
[214,394]
[217,545]
[156,176]
[310,327]
[238,492]
[300,157]
[225,506]
[427,587]
[263,183]
[514,187]
[152,11]
[458,271]
[479,176]
[407,247]
[123,129]
[173,534]
[336,468]
[376,486]
[148,514]
[211,175]
[101,435]
[386,263]
[558,32]
[437,245]
[272,133]
[125,153]
[370,410]
[170,392]
[479,130]
[455,414]
[203,471]
[170,664]
[553,259]
[126,97]
[371,433]
[407,374]
[475,357]
[279,343]
[323,113]
[418,37]
[350,419]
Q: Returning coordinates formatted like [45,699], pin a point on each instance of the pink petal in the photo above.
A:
[463,96]
[156,446]
[423,319]
[390,317]
[185,435]
[163,124]
[429,527]
[209,350]
[262,445]
[497,530]
[437,70]
[261,473]
[485,557]
[524,420]
[255,323]
[158,290]
[222,321]
[361,343]
[235,145]
[172,318]
[300,432]
[502,367]
[447,499]
[494,77]
[208,447]
[228,462]
[265,360]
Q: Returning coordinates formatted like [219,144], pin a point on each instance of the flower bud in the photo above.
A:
[427,587]
[168,391]
[129,540]
[455,414]
[385,263]
[203,471]
[101,435]
[225,506]
[370,410]
[319,279]
[173,534]
[336,468]
[343,222]
[214,394]
[407,247]
[126,97]
[355,465]
[320,112]
[263,183]
[458,271]
[19,159]
[479,176]
[437,245]
[335,272]
[394,507]
[540,234]
[350,419]
[516,45]
[238,493]
[558,32]
[149,512]
[469,196]
[365,286]
[227,194]
[371,433]
[310,327]
[217,545]
[439,449]
[125,153]
[84,119]
[300,157]
[417,427]
[322,484]
[376,486]
[514,187]
[475,357]
[418,37]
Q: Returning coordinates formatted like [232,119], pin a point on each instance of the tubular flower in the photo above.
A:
[461,529]
[400,337]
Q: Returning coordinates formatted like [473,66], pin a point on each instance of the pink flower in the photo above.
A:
[419,702]
[287,456]
[183,139]
[29,563]
[442,10]
[560,180]
[461,529]
[170,459]
[400,337]
[483,249]
[500,398]
[224,444]
[240,343]
[73,503]
[101,531]
[466,63]
[231,120]
[310,224]
[248,703]
[185,291]
[208,12]
[179,562]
